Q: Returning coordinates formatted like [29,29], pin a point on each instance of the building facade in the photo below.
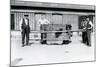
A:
[56,13]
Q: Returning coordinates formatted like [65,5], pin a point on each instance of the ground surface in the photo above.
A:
[43,54]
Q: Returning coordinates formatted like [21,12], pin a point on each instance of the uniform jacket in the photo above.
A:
[25,27]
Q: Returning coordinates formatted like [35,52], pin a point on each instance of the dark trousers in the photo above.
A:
[25,34]
[84,35]
[43,37]
[88,38]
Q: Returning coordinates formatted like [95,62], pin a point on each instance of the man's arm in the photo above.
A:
[91,25]
[83,25]
[48,22]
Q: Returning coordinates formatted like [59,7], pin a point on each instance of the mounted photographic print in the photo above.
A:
[51,33]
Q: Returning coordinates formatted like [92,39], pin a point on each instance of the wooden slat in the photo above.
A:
[53,39]
[57,19]
[49,12]
[57,31]
[15,22]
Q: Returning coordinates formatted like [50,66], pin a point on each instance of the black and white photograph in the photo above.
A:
[51,33]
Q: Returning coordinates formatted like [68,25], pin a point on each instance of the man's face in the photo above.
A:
[87,19]
[26,17]
[42,17]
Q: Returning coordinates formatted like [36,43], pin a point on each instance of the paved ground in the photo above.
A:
[43,54]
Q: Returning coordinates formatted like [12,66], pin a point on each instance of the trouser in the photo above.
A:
[88,38]
[43,35]
[25,34]
[43,38]
[84,35]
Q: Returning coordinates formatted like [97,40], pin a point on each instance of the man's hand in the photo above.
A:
[20,30]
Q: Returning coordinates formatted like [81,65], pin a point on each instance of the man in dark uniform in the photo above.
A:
[88,31]
[25,30]
[86,35]
[84,25]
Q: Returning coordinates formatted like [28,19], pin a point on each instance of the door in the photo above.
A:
[12,22]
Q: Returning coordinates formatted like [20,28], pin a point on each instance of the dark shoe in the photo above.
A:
[27,45]
[23,45]
[89,45]
[43,41]
[83,42]
[66,42]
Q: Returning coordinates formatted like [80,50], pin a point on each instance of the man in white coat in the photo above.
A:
[41,22]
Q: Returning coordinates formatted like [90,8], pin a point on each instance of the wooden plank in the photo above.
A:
[49,12]
[57,31]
